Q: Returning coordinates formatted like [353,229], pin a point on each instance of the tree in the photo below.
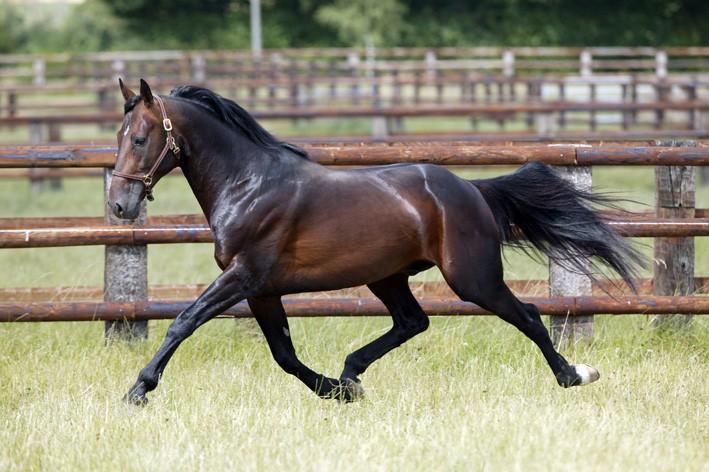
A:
[164,24]
[11,28]
[373,22]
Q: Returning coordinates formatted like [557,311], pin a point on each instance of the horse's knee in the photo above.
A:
[417,326]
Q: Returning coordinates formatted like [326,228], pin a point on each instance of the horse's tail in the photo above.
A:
[557,219]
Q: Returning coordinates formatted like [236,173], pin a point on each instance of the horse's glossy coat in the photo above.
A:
[283,224]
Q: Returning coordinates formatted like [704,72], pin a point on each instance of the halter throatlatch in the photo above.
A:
[170,145]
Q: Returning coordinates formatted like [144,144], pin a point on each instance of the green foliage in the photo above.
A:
[89,26]
[166,24]
[11,28]
[558,22]
[224,24]
[376,22]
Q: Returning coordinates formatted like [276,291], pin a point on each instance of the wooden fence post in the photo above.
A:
[125,275]
[36,138]
[585,63]
[199,68]
[380,127]
[673,268]
[564,329]
[39,68]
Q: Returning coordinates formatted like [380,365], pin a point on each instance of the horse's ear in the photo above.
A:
[127,93]
[145,93]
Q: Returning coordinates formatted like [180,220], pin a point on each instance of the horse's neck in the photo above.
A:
[220,165]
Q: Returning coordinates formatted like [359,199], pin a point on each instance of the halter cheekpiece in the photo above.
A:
[170,145]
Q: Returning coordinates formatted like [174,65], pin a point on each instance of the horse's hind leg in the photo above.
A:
[409,320]
[474,272]
[271,317]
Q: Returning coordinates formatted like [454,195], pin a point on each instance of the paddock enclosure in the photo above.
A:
[471,393]
[574,108]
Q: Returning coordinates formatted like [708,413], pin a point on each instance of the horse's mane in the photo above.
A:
[234,116]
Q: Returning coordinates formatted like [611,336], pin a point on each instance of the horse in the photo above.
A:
[284,224]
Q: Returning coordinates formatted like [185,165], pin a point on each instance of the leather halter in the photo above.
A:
[170,145]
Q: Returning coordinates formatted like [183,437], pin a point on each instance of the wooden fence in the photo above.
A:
[548,119]
[572,302]
[627,88]
[40,69]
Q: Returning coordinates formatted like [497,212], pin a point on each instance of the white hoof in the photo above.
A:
[587,373]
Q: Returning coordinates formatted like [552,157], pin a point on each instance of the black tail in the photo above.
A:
[558,220]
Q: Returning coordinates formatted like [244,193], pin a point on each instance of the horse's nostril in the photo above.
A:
[119,209]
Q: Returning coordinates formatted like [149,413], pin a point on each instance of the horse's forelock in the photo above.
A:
[130,104]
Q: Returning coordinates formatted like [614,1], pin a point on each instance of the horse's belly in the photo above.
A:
[343,267]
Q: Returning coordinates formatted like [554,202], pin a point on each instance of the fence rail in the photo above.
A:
[463,154]
[318,307]
[200,233]
[427,289]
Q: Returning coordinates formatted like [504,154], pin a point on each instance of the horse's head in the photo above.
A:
[146,151]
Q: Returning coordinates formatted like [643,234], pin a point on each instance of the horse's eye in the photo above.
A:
[138,141]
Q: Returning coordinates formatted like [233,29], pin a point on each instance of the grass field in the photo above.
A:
[469,394]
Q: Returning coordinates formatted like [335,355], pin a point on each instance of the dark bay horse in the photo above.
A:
[284,224]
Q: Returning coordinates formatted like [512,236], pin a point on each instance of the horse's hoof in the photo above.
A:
[352,390]
[136,396]
[587,373]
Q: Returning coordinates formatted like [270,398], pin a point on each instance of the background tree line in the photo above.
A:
[96,25]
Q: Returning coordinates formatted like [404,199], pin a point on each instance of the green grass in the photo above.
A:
[469,394]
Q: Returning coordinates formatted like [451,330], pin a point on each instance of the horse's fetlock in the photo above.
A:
[148,379]
[353,364]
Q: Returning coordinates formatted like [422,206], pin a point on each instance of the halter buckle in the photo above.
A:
[148,180]
[167,124]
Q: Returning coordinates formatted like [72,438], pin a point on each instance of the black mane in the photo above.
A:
[233,115]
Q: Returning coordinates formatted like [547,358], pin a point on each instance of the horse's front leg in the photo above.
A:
[232,286]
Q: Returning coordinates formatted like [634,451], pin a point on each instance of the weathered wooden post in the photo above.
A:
[586,63]
[12,105]
[125,274]
[273,75]
[673,270]
[353,66]
[565,329]
[199,69]
[36,137]
[593,120]
[39,68]
[380,127]
[562,97]
[508,63]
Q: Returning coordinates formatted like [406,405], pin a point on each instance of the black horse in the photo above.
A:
[284,224]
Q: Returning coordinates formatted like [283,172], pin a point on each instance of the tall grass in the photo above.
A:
[469,394]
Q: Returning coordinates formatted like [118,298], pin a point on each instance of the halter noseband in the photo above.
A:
[170,145]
